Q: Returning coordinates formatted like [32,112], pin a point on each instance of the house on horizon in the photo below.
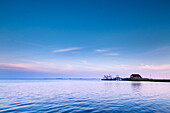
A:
[135,76]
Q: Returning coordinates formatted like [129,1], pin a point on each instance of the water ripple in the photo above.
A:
[87,96]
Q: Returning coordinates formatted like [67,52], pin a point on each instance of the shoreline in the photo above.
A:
[150,80]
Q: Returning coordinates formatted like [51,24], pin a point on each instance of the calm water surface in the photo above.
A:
[83,96]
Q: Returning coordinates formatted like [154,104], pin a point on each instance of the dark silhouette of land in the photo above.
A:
[135,77]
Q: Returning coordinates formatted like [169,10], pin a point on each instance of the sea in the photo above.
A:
[83,96]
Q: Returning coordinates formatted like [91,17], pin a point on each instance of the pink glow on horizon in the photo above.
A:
[89,70]
[42,67]
[23,67]
[152,67]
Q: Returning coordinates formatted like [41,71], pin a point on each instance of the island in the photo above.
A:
[133,77]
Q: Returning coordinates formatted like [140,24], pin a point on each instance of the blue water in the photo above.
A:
[83,96]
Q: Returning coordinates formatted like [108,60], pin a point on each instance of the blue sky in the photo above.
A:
[84,38]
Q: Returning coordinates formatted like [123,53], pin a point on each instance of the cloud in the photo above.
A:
[17,66]
[27,43]
[161,49]
[113,54]
[84,62]
[105,49]
[101,50]
[65,50]
[68,67]
[37,68]
[152,67]
[158,50]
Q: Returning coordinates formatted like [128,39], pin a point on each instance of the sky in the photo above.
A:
[84,38]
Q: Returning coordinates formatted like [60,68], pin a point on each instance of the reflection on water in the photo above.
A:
[83,96]
[112,84]
[136,86]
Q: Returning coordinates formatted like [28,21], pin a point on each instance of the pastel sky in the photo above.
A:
[84,38]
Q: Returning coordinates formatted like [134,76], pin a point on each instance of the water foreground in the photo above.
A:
[83,96]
